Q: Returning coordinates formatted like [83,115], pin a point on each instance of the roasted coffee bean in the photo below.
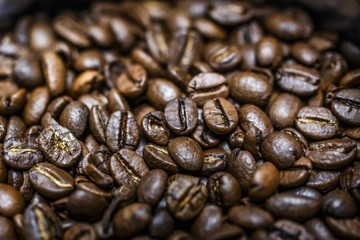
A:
[297,79]
[250,115]
[231,13]
[121,131]
[40,222]
[186,196]
[98,118]
[89,59]
[132,83]
[152,187]
[86,82]
[98,177]
[220,116]
[80,231]
[297,174]
[7,230]
[153,68]
[11,201]
[54,73]
[316,122]
[131,220]
[281,149]
[161,91]
[161,225]
[226,231]
[250,87]
[127,166]
[236,138]
[304,53]
[156,42]
[3,169]
[122,32]
[339,204]
[159,157]
[21,181]
[351,79]
[348,228]
[210,218]
[209,29]
[215,160]
[205,137]
[117,101]
[319,229]
[264,182]
[269,52]
[323,180]
[13,103]
[154,129]
[75,117]
[15,128]
[205,86]
[70,29]
[187,153]
[50,181]
[250,217]
[332,154]
[224,190]
[21,153]
[59,146]
[225,58]
[345,105]
[36,105]
[290,229]
[181,115]
[282,111]
[333,67]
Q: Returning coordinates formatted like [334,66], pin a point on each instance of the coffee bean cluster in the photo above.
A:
[178,120]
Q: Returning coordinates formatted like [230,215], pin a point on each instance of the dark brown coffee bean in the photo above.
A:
[15,128]
[86,82]
[290,229]
[269,52]
[210,218]
[281,149]
[132,83]
[332,154]
[59,146]
[40,222]
[36,105]
[209,29]
[345,105]
[185,197]
[296,175]
[153,68]
[80,231]
[316,122]
[215,160]
[187,153]
[298,137]
[205,86]
[13,103]
[72,30]
[7,230]
[348,228]
[98,119]
[89,59]
[41,36]
[231,13]
[224,190]
[292,206]
[181,115]
[226,231]
[282,111]
[75,117]
[264,182]
[339,204]
[225,58]
[20,180]
[242,166]
[351,79]
[127,166]
[157,44]
[158,157]
[21,153]
[161,225]
[304,53]
[161,91]
[11,201]
[50,181]
[323,180]
[319,229]
[124,219]
[250,115]
[333,67]
[247,34]
[94,173]
[54,73]
[117,101]
[154,129]
[122,131]
[250,87]
[122,33]
[3,169]
[27,73]
[250,217]
[236,138]
[152,187]
[220,115]
[298,79]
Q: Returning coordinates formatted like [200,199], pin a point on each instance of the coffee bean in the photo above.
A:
[339,204]
[211,217]
[79,231]
[117,101]
[15,128]
[95,174]
[156,92]
[121,131]
[345,105]
[215,160]
[154,129]
[36,105]
[20,180]
[50,181]
[224,189]
[226,231]
[331,154]
[132,83]
[147,61]
[348,228]
[316,122]
[186,196]
[11,201]
[70,29]
[152,187]
[298,79]
[205,86]
[54,73]
[323,180]
[186,152]
[225,58]
[304,53]
[158,157]
[127,167]
[181,115]
[250,217]
[209,29]
[98,119]
[156,42]
[205,137]
[319,229]
[296,175]
[231,13]
[161,225]
[87,81]
[269,52]
[7,230]
[59,146]
[281,149]
[89,59]
[75,117]
[291,229]
[264,182]
[131,220]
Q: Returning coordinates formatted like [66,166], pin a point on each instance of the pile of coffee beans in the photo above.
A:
[178,120]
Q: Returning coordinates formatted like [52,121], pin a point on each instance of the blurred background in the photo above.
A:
[337,15]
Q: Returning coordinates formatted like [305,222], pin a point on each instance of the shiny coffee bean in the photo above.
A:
[215,160]
[323,180]
[11,201]
[80,231]
[319,229]
[297,174]
[304,53]
[98,118]
[154,129]
[7,230]
[54,73]
[161,91]
[269,52]
[348,228]
[159,157]
[21,181]
[345,105]
[152,187]
[187,153]
[161,225]
[250,217]
[339,204]
[210,218]
[225,58]
[291,229]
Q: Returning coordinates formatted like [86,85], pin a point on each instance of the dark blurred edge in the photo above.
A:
[337,15]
